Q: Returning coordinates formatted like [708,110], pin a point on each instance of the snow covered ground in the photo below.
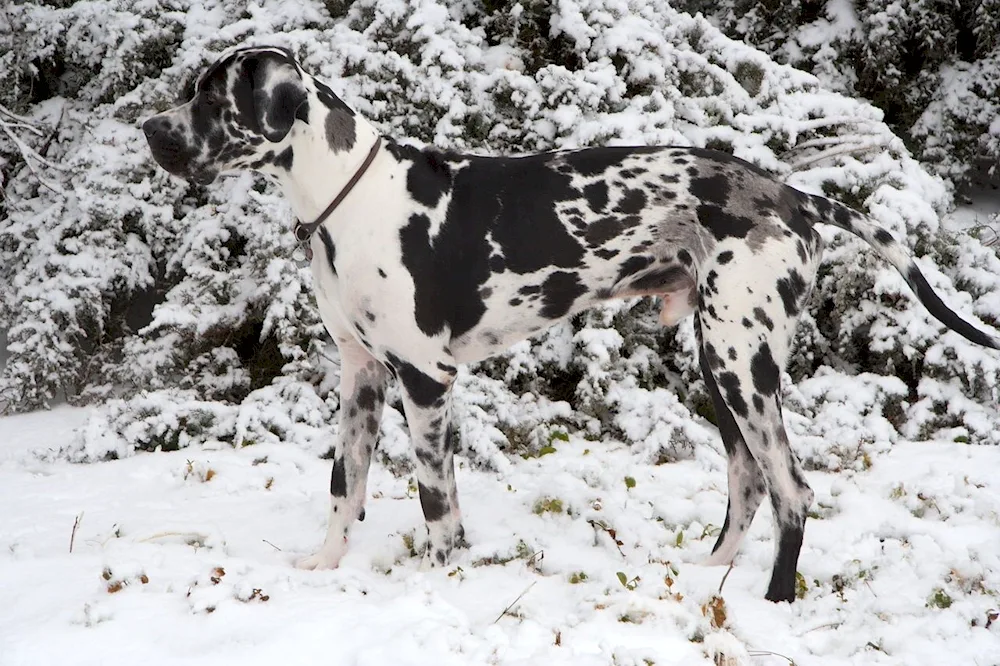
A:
[185,558]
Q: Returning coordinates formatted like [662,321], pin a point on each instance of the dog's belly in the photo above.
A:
[521,306]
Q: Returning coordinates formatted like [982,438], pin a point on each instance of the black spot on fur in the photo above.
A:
[446,285]
[722,224]
[429,176]
[605,253]
[602,230]
[758,403]
[338,478]
[710,280]
[884,237]
[341,130]
[632,202]
[795,218]
[730,384]
[633,265]
[424,391]
[559,291]
[712,189]
[596,195]
[766,374]
[791,290]
[684,257]
[725,257]
[433,502]
[366,398]
[762,318]
[331,250]
[284,159]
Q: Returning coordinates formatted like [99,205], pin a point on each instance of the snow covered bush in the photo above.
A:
[931,66]
[170,302]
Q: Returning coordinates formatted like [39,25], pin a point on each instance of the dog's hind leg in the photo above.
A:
[362,397]
[745,328]
[746,483]
[427,401]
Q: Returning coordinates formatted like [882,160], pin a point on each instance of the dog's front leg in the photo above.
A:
[362,396]
[427,402]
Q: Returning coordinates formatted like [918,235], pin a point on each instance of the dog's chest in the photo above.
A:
[361,287]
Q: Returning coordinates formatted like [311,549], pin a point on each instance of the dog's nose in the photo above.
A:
[153,126]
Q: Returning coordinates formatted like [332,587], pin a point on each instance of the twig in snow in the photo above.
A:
[72,535]
[977,230]
[271,545]
[195,539]
[825,625]
[600,525]
[534,562]
[768,653]
[724,577]
[505,610]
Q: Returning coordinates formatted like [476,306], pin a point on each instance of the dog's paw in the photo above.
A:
[324,558]
[434,558]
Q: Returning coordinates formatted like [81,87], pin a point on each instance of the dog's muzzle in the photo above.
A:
[173,151]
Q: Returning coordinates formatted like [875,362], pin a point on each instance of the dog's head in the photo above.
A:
[239,112]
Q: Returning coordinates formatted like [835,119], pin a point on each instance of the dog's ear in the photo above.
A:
[279,97]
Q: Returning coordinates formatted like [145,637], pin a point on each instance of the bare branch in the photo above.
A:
[850,149]
[72,535]
[507,610]
[10,124]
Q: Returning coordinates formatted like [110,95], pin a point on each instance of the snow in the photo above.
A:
[185,557]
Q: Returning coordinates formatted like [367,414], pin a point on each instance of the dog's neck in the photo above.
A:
[318,172]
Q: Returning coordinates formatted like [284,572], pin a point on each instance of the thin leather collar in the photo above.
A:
[305,230]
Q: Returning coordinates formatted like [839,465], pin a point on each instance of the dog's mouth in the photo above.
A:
[202,178]
[177,163]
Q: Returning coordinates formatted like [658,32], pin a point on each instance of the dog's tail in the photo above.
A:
[827,211]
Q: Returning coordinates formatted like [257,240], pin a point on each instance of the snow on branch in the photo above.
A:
[11,125]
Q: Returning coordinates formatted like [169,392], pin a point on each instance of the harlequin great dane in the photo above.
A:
[424,259]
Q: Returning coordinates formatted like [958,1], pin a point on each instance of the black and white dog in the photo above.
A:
[426,259]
